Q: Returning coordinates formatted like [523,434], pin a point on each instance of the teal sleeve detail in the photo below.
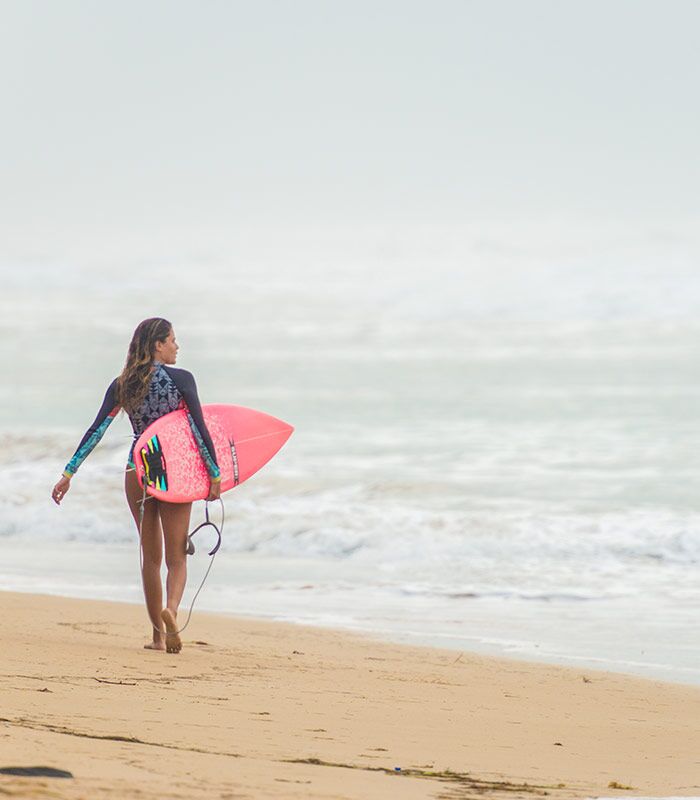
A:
[89,444]
[212,468]
[108,411]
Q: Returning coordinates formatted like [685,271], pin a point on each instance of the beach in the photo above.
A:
[482,464]
[455,246]
[257,709]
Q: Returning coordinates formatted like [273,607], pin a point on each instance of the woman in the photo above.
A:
[149,387]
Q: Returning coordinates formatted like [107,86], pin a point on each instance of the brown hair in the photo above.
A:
[132,384]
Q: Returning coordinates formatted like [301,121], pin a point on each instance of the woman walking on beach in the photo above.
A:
[149,387]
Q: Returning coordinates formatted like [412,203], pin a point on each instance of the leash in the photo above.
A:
[189,551]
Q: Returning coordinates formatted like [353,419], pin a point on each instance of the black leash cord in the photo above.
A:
[190,551]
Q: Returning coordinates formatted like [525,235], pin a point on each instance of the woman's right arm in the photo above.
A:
[108,411]
[187,387]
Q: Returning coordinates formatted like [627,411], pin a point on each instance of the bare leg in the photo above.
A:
[152,544]
[175,519]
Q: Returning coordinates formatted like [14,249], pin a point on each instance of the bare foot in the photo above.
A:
[173,644]
[154,646]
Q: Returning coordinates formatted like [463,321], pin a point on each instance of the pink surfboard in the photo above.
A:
[168,459]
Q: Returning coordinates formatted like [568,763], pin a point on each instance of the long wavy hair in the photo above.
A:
[132,385]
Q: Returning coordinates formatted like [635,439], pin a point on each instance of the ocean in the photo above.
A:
[496,444]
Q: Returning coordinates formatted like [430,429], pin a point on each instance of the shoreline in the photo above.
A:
[293,591]
[383,636]
[269,709]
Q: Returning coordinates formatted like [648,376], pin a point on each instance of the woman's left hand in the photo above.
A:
[60,489]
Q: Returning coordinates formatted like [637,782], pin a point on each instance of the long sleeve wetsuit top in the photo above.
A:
[169,390]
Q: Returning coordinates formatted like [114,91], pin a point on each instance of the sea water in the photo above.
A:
[496,444]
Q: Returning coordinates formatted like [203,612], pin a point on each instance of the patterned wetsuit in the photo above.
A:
[170,389]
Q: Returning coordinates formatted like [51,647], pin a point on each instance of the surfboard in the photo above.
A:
[168,460]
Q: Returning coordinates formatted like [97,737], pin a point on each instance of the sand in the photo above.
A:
[256,709]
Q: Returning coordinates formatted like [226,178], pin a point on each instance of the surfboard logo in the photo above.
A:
[234,460]
[154,465]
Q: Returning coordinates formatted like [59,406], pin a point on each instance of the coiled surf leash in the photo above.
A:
[189,550]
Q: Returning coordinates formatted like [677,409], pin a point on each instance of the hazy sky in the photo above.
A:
[171,113]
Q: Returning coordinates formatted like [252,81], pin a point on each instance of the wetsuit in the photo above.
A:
[170,389]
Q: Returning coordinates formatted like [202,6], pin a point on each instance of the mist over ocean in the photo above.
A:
[496,443]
